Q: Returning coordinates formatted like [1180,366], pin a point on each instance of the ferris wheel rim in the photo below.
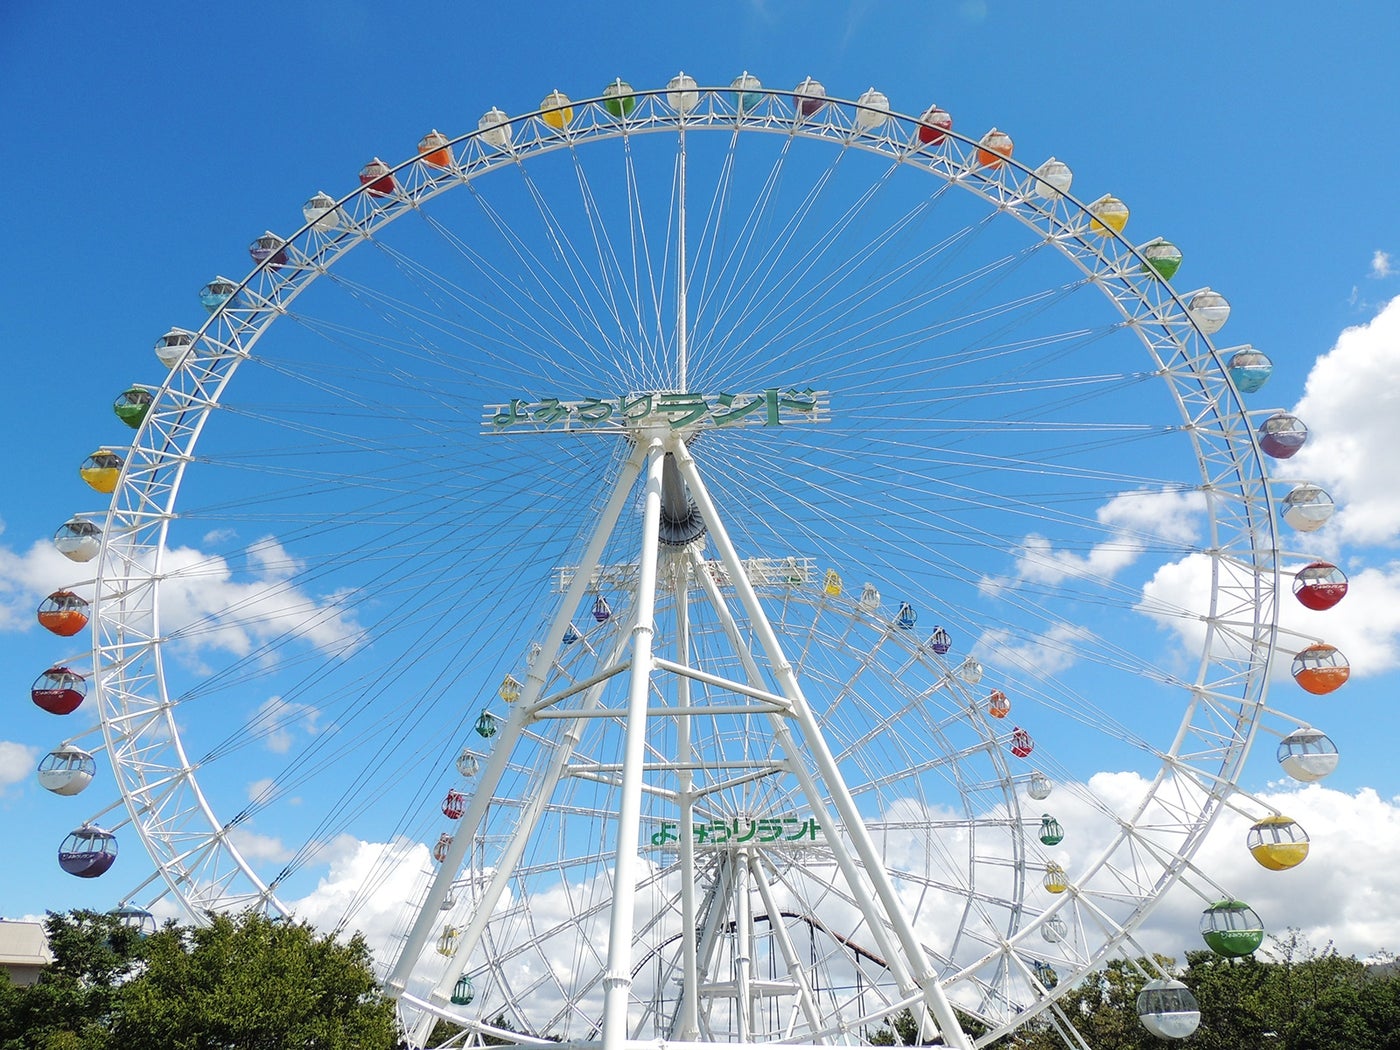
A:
[136,496]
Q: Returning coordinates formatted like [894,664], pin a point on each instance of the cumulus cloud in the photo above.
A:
[27,576]
[367,887]
[257,847]
[1040,655]
[205,602]
[17,762]
[1351,405]
[1365,625]
[1133,520]
[1380,264]
[1329,897]
[275,720]
[1352,408]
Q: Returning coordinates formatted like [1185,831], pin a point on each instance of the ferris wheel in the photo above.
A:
[672,563]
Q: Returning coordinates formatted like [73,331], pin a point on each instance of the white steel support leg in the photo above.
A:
[617,983]
[682,277]
[743,947]
[495,764]
[689,1019]
[720,891]
[796,973]
[821,755]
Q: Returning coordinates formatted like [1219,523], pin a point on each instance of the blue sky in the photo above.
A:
[152,146]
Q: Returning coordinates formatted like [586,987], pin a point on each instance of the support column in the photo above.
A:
[743,947]
[688,1026]
[617,984]
[806,1001]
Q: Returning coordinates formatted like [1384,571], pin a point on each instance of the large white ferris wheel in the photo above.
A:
[677,541]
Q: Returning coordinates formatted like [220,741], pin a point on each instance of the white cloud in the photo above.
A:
[1330,896]
[1380,264]
[1365,625]
[17,762]
[26,577]
[1040,655]
[257,847]
[272,561]
[367,887]
[1351,406]
[205,603]
[275,719]
[370,886]
[1133,520]
[1037,561]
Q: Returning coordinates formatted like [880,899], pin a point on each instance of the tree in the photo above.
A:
[1103,1008]
[246,981]
[903,1030]
[72,1004]
[1231,996]
[252,982]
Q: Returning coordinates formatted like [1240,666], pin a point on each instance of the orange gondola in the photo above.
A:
[63,613]
[1321,668]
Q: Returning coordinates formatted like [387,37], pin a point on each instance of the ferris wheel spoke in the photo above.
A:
[721,256]
[586,290]
[817,303]
[507,324]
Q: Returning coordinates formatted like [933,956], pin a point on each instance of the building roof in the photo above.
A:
[23,944]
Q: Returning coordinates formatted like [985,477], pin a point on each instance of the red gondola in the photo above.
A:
[1021,743]
[934,125]
[1319,586]
[59,691]
[454,805]
[375,177]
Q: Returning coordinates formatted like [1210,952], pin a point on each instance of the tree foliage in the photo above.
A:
[1296,997]
[245,981]
[250,982]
